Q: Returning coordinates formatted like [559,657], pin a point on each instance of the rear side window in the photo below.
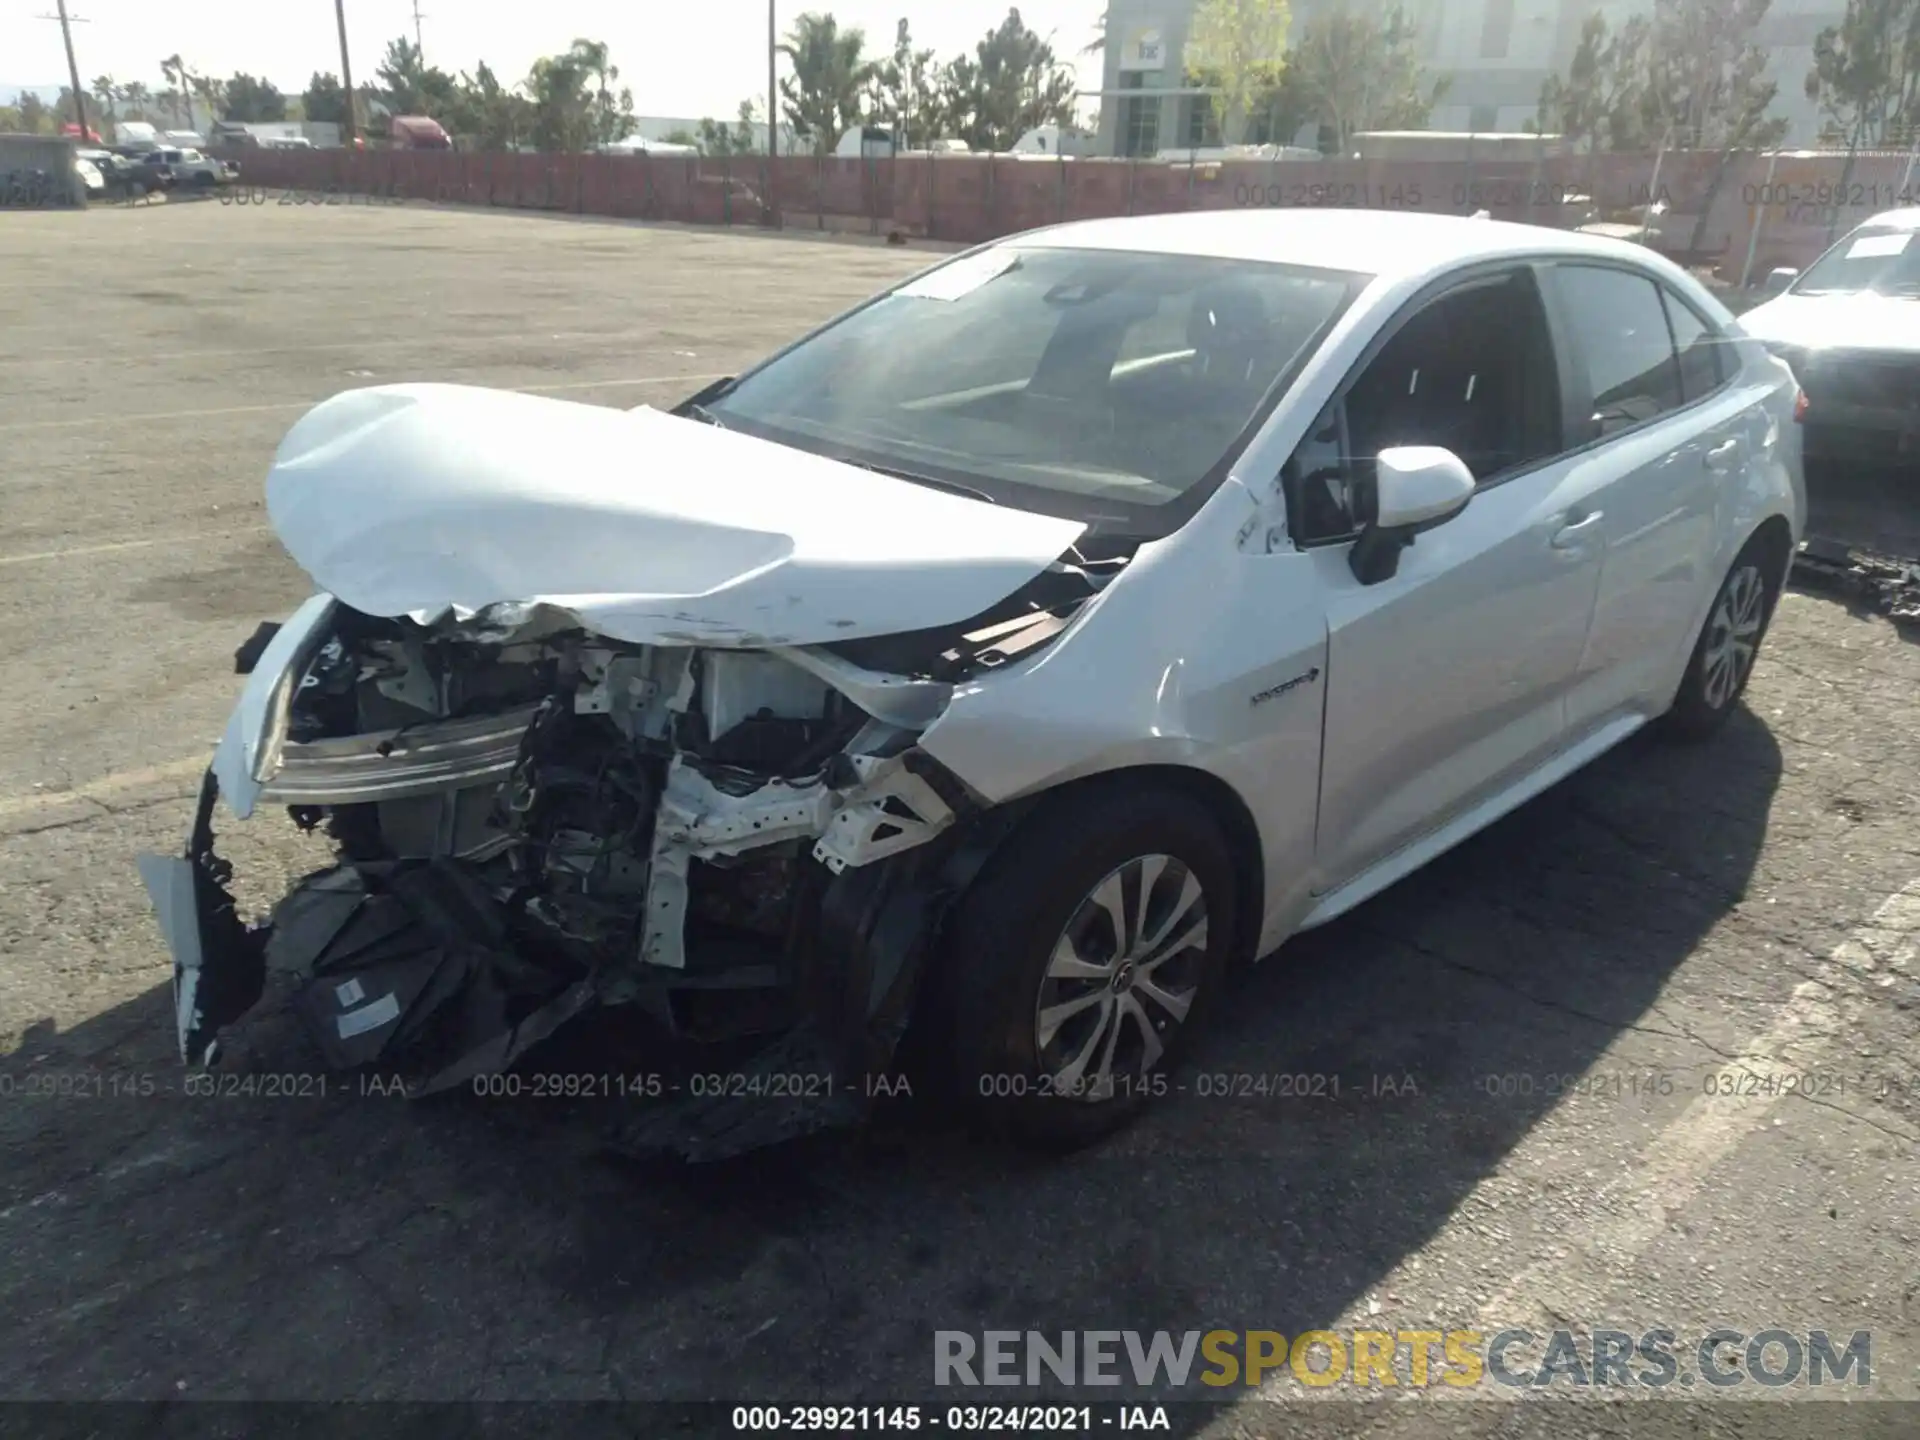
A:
[1618,324]
[1703,358]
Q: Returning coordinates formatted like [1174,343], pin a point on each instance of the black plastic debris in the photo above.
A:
[232,973]
[413,968]
[1878,584]
[254,646]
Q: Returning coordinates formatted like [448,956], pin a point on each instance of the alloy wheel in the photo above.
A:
[1733,635]
[1121,978]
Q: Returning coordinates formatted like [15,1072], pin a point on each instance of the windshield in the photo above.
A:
[1101,386]
[1877,258]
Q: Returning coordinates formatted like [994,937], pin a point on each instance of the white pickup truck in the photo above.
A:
[192,170]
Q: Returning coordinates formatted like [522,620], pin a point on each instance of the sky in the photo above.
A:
[681,60]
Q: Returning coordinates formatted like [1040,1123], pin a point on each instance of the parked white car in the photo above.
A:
[1850,329]
[1099,608]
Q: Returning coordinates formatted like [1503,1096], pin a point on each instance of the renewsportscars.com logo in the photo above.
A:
[1415,1359]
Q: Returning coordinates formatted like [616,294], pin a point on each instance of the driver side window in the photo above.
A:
[1472,371]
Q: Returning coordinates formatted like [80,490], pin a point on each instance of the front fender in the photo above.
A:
[249,749]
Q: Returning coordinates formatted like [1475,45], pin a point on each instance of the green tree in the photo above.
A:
[325,99]
[1011,83]
[186,86]
[1354,71]
[1242,45]
[400,74]
[30,115]
[252,101]
[1866,70]
[1275,106]
[1599,103]
[826,93]
[493,116]
[63,111]
[1706,87]
[903,90]
[137,98]
[106,92]
[611,112]
[736,139]
[574,104]
[209,92]
[408,86]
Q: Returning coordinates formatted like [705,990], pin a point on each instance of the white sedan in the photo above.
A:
[1850,329]
[1097,609]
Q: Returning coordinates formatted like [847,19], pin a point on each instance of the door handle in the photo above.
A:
[1722,456]
[1570,536]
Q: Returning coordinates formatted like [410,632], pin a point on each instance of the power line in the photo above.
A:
[419,45]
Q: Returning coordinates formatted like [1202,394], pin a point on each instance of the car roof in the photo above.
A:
[1908,219]
[1388,244]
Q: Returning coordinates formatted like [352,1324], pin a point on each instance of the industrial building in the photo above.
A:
[1495,55]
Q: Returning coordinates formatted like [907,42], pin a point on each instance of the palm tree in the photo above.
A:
[106,92]
[175,71]
[1099,41]
[591,57]
[212,92]
[830,77]
[136,97]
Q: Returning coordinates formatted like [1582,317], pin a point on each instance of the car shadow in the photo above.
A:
[353,1245]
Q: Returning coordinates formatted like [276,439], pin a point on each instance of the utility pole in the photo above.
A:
[67,23]
[773,113]
[419,45]
[346,71]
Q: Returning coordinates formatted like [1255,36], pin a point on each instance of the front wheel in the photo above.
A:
[1081,962]
[1729,642]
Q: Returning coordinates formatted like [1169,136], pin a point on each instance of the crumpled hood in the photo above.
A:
[423,499]
[1837,322]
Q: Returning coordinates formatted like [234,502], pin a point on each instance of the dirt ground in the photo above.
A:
[1660,916]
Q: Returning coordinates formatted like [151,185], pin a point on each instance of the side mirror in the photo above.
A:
[1778,280]
[1416,487]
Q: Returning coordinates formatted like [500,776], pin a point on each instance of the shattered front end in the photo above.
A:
[530,820]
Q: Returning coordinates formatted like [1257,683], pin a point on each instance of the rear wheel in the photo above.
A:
[1729,642]
[1081,962]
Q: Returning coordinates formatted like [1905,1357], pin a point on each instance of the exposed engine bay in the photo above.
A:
[531,820]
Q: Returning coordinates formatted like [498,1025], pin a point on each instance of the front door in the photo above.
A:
[1448,681]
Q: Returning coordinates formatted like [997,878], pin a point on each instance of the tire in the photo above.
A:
[1039,1076]
[1729,642]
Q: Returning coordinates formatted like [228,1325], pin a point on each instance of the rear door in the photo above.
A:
[1669,429]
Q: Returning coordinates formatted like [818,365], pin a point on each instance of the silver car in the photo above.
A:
[1094,610]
